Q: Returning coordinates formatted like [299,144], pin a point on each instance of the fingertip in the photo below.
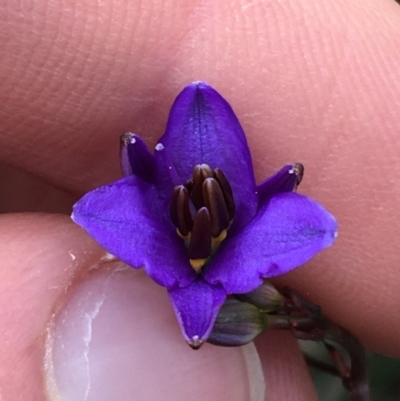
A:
[41,257]
[118,319]
[116,335]
[286,374]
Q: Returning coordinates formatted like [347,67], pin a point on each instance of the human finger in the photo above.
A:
[76,326]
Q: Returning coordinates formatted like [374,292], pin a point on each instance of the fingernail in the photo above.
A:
[116,338]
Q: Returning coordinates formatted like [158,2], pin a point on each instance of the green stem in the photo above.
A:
[308,323]
[322,366]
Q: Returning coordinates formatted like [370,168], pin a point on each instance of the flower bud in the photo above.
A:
[266,297]
[238,323]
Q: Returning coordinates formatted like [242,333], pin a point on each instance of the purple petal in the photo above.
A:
[135,157]
[202,128]
[287,231]
[285,180]
[196,308]
[125,218]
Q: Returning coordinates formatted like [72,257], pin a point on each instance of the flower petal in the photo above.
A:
[125,218]
[285,180]
[196,308]
[202,128]
[287,231]
[135,157]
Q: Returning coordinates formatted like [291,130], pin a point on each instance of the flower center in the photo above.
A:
[202,211]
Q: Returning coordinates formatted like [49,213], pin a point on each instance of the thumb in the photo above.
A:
[76,327]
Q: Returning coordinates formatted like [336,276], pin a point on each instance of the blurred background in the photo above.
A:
[383,373]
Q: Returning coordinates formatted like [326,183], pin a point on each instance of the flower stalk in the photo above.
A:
[244,317]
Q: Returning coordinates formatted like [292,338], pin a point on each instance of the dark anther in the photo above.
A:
[202,211]
[179,210]
[226,190]
[189,185]
[200,239]
[200,173]
[298,170]
[215,202]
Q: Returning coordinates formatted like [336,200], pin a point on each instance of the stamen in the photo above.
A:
[226,190]
[200,173]
[197,264]
[200,239]
[180,212]
[215,202]
[216,242]
[189,185]
[203,224]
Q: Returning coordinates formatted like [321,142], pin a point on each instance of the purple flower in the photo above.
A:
[193,217]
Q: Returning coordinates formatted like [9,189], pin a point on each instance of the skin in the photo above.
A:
[311,82]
